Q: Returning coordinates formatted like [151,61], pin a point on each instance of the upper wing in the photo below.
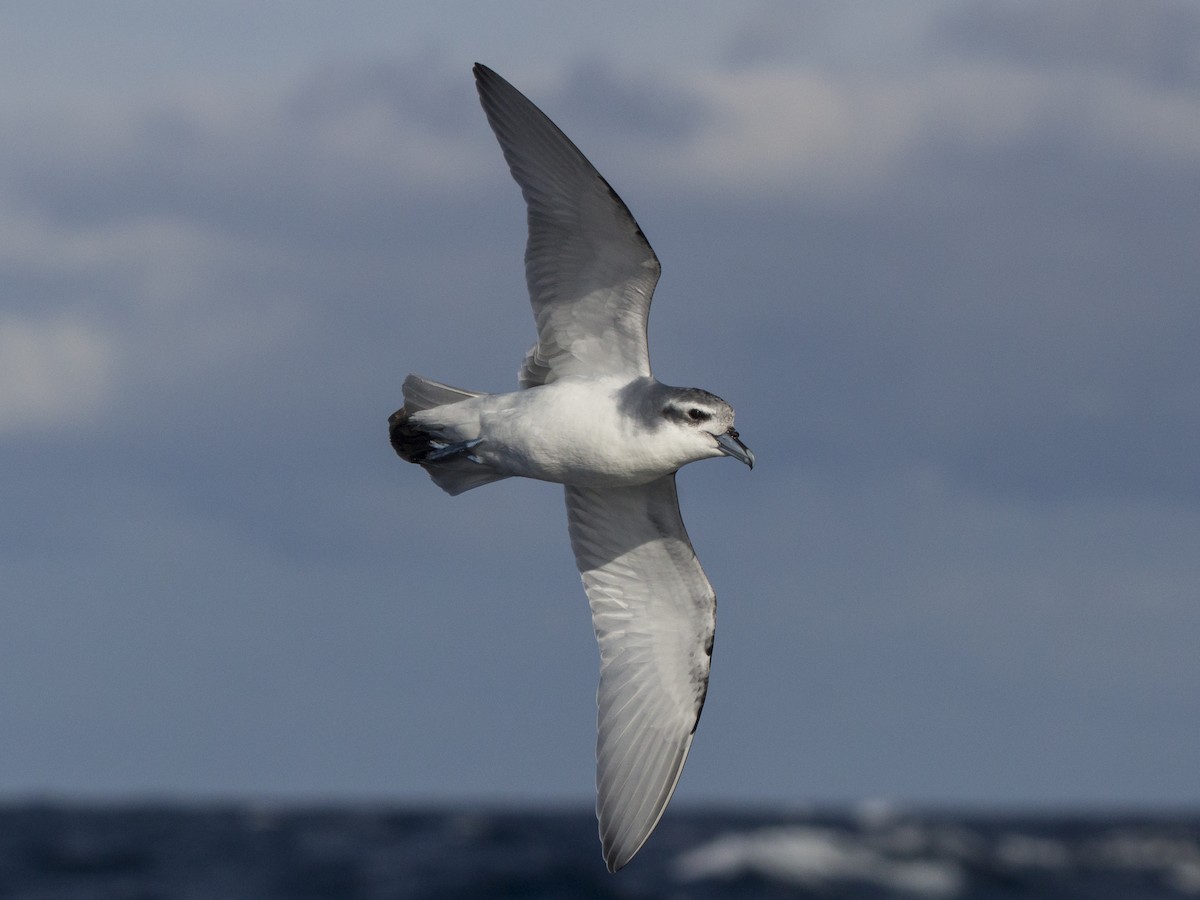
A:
[590,269]
[654,613]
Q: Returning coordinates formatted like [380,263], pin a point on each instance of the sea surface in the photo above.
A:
[55,851]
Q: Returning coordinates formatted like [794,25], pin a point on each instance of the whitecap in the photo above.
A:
[1020,851]
[813,857]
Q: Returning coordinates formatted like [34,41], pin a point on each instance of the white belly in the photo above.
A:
[574,432]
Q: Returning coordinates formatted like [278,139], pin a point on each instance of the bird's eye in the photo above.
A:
[697,415]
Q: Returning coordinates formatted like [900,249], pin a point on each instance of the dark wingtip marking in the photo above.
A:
[616,198]
[700,707]
[708,649]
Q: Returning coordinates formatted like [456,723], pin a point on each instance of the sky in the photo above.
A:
[940,257]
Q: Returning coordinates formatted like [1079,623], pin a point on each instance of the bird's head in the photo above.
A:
[708,420]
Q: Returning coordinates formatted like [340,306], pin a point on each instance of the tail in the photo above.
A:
[449,463]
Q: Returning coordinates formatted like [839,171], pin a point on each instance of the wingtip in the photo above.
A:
[614,860]
[487,83]
[618,856]
[619,851]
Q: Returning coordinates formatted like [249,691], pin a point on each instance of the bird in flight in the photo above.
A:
[592,417]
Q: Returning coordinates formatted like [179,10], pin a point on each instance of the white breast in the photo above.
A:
[575,432]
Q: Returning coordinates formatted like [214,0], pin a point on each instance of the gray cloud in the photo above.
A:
[959,335]
[1154,41]
[603,100]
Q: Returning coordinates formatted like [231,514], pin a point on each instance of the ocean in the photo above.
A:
[59,851]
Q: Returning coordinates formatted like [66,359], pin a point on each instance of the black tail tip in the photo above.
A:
[401,436]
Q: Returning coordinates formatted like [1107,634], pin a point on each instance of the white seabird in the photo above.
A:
[592,417]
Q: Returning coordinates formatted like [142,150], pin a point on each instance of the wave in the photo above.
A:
[947,859]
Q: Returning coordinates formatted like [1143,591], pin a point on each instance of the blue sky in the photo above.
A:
[940,257]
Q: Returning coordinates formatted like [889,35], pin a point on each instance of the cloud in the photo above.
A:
[1001,247]
[1151,42]
[946,277]
[56,374]
[805,131]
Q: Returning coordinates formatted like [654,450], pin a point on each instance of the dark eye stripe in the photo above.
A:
[690,413]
